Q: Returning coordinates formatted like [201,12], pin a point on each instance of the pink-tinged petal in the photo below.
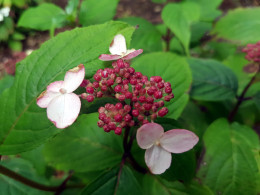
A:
[133,54]
[149,134]
[63,110]
[45,98]
[74,78]
[178,140]
[107,57]
[118,45]
[157,159]
[55,86]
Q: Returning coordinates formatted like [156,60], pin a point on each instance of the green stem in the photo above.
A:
[242,98]
[9,173]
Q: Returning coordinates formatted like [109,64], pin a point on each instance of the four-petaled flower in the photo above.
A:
[159,145]
[62,105]
[118,50]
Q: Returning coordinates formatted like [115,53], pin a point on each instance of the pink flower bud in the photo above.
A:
[118,106]
[90,98]
[127,108]
[118,130]
[90,90]
[135,113]
[158,94]
[99,94]
[163,112]
[97,77]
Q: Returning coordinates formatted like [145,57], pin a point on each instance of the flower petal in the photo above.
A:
[118,45]
[133,54]
[74,78]
[148,134]
[45,98]
[64,109]
[107,57]
[157,159]
[55,86]
[178,140]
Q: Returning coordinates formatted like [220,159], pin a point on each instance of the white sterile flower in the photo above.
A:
[62,105]
[5,11]
[159,145]
[118,50]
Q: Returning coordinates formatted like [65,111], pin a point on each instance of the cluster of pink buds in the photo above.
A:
[115,117]
[252,52]
[146,97]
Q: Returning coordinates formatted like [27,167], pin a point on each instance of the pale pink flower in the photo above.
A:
[118,50]
[159,145]
[62,105]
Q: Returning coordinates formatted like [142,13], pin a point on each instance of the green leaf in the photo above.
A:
[6,83]
[178,17]
[72,10]
[257,99]
[239,25]
[18,36]
[87,148]
[114,182]
[183,167]
[6,28]
[92,12]
[43,17]
[15,45]
[146,37]
[237,63]
[172,68]
[72,6]
[36,158]
[208,9]
[18,109]
[153,185]
[11,187]
[198,30]
[19,3]
[193,119]
[231,162]
[221,50]
[212,81]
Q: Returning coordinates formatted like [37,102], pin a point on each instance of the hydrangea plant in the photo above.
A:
[141,101]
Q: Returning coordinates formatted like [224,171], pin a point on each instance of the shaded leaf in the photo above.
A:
[114,182]
[153,185]
[212,81]
[87,148]
[11,187]
[231,163]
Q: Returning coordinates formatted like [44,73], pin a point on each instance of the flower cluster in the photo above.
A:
[252,52]
[146,97]
[140,101]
